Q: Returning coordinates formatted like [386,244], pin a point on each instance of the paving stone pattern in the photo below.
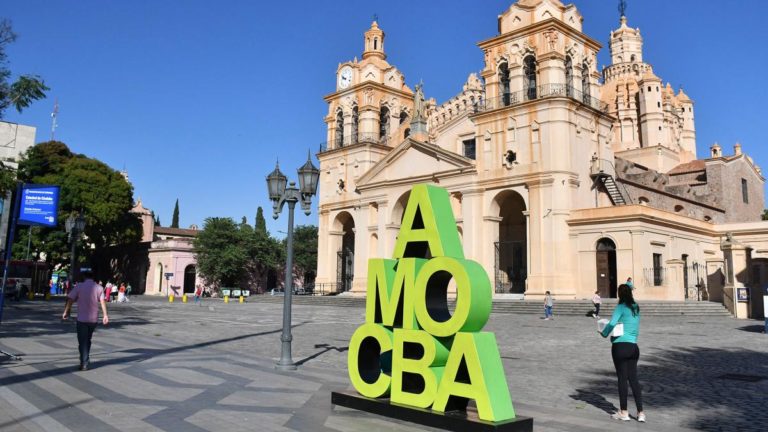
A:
[180,367]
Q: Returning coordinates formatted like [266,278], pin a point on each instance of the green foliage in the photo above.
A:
[230,254]
[157,219]
[765,215]
[88,186]
[175,217]
[261,223]
[7,179]
[305,249]
[26,89]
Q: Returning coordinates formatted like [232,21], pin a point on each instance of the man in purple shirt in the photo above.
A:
[88,295]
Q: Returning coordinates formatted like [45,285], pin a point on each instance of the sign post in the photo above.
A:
[33,205]
[168,277]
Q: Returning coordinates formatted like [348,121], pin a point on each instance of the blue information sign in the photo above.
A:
[39,205]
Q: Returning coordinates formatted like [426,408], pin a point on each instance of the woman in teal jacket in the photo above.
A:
[625,352]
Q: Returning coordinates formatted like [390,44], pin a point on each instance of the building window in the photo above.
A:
[568,76]
[585,82]
[383,123]
[504,81]
[354,125]
[529,69]
[339,129]
[658,104]
[744,191]
[678,208]
[657,270]
[469,148]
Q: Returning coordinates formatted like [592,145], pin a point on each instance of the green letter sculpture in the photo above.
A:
[409,331]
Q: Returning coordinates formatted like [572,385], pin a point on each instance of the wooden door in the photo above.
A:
[603,273]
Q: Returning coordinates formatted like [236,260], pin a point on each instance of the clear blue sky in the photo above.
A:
[196,99]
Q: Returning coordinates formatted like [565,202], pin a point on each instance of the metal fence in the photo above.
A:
[655,276]
[540,92]
[349,140]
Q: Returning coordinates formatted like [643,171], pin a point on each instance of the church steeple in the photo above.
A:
[374,42]
[626,42]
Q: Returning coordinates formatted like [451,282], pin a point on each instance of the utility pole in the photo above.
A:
[54,114]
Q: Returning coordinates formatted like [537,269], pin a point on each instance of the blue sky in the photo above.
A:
[197,99]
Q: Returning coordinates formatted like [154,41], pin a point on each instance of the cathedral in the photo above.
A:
[562,177]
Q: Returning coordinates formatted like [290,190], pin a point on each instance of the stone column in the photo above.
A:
[674,280]
[736,276]
[490,236]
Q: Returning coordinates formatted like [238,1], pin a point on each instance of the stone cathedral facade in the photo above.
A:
[563,177]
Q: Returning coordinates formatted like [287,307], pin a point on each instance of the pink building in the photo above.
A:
[172,267]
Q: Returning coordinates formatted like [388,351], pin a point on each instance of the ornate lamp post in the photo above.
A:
[74,226]
[279,194]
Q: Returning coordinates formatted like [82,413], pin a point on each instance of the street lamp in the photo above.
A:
[74,226]
[279,194]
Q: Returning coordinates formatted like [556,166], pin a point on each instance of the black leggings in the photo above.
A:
[625,356]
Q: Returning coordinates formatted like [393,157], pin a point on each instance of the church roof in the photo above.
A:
[689,167]
[176,232]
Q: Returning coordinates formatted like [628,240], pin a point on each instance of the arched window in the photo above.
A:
[339,129]
[585,82]
[383,123]
[403,117]
[568,76]
[632,59]
[375,43]
[529,69]
[504,84]
[354,125]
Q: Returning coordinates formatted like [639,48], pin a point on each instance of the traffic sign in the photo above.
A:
[168,275]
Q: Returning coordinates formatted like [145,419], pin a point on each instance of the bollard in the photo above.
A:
[242,299]
[31,295]
[184,298]
[47,296]
[170,299]
[226,299]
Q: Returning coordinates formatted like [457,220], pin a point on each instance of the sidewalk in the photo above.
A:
[174,367]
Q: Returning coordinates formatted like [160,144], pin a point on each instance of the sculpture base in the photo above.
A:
[452,421]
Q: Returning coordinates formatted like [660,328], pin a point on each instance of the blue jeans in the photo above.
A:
[84,334]
[547,311]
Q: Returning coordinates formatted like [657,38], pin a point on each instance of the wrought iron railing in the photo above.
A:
[655,276]
[322,289]
[350,140]
[540,92]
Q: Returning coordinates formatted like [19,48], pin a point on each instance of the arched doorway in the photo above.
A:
[159,278]
[605,258]
[345,256]
[511,264]
[190,275]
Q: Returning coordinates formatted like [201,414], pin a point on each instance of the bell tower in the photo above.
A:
[374,42]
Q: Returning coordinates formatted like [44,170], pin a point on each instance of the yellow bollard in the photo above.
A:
[184,298]
[47,296]
[242,299]
[226,299]
[170,299]
[30,295]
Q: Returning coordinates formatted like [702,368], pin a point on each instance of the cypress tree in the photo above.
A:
[175,218]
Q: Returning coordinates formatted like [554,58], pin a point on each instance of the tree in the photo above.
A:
[221,252]
[305,250]
[27,88]
[261,223]
[88,186]
[175,217]
[157,220]
[765,215]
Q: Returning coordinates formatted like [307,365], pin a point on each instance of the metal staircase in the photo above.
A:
[603,172]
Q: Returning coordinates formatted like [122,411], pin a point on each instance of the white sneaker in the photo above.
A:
[618,416]
[641,417]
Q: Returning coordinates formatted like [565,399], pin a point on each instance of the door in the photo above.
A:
[603,273]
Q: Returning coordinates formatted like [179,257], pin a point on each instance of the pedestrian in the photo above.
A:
[88,295]
[625,351]
[199,295]
[128,290]
[629,283]
[108,292]
[596,300]
[548,303]
[121,294]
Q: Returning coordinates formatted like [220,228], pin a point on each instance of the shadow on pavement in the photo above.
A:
[753,328]
[726,388]
[325,349]
[137,354]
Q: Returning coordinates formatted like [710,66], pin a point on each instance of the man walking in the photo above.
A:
[88,295]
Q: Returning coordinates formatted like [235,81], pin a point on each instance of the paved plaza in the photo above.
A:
[180,367]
